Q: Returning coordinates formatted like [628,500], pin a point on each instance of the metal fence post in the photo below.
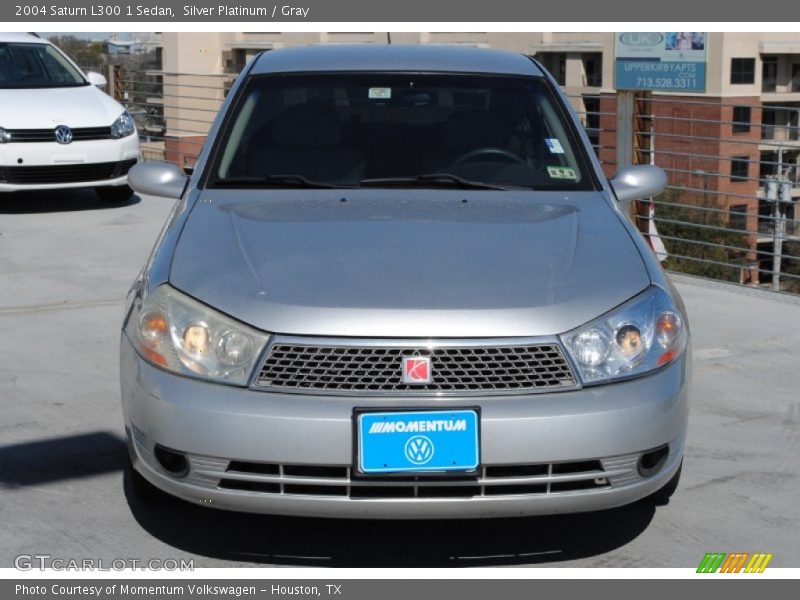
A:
[625,133]
[108,72]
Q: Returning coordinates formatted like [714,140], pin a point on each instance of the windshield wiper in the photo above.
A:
[443,179]
[278,181]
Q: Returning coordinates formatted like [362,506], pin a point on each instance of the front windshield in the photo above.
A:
[36,66]
[393,129]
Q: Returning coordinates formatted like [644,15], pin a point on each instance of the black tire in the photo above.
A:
[142,489]
[114,194]
[661,497]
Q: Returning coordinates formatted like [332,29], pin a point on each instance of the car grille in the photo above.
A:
[534,479]
[81,134]
[339,368]
[58,173]
[501,480]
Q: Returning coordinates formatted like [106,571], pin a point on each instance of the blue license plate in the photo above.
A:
[430,440]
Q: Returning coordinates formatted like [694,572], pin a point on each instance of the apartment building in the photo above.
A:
[722,144]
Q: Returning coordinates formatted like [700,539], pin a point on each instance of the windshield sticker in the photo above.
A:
[562,173]
[554,146]
[380,93]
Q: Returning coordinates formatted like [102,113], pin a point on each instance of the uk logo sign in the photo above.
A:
[417,370]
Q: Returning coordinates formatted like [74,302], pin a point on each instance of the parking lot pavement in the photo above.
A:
[66,262]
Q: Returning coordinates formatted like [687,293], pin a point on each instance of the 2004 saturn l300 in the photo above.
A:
[398,285]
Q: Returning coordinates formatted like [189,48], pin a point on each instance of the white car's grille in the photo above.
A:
[79,134]
[66,173]
[334,368]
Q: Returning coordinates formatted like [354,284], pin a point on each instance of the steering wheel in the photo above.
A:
[489,151]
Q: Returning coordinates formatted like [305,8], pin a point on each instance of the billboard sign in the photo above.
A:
[660,61]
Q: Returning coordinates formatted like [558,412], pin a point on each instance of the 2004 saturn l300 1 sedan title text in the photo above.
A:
[398,285]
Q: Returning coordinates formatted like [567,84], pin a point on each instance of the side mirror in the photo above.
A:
[96,79]
[157,179]
[637,182]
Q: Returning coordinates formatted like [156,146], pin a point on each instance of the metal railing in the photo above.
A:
[173,111]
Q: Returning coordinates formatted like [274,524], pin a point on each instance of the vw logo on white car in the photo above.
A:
[419,449]
[63,134]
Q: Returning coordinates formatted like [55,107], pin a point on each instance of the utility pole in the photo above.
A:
[779,190]
[634,136]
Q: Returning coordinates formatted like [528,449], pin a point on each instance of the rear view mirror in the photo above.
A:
[96,79]
[638,181]
[157,179]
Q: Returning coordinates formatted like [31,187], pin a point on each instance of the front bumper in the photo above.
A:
[49,160]
[302,447]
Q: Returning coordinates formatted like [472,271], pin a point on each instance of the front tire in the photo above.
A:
[661,497]
[114,194]
[142,489]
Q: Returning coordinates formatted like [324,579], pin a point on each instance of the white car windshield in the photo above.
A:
[36,66]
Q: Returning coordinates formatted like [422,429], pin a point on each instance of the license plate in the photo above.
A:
[410,442]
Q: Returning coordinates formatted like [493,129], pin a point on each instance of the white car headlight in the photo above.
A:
[178,333]
[123,126]
[642,335]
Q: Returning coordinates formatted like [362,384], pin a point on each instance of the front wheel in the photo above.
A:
[142,489]
[114,194]
[661,497]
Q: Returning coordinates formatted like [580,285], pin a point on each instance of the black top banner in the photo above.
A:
[311,11]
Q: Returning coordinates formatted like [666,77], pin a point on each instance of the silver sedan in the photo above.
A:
[398,285]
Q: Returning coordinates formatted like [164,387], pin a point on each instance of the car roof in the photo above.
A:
[21,37]
[384,57]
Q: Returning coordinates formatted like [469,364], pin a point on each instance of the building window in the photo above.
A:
[556,63]
[737,217]
[796,77]
[741,119]
[743,70]
[593,67]
[739,168]
[768,164]
[768,119]
[769,75]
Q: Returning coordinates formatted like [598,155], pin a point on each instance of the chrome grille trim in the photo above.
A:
[79,134]
[349,485]
[401,482]
[341,366]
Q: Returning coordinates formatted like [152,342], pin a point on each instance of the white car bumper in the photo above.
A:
[49,165]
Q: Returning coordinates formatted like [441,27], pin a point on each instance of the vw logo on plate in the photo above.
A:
[63,134]
[419,449]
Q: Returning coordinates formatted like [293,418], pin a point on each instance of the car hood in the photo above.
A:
[407,263]
[43,108]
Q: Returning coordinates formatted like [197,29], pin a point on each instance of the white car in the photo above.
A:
[57,129]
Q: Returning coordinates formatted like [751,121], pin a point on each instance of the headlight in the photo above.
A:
[123,126]
[178,333]
[643,334]
[4,135]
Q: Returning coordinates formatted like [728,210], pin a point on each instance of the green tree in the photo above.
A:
[687,228]
[87,54]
